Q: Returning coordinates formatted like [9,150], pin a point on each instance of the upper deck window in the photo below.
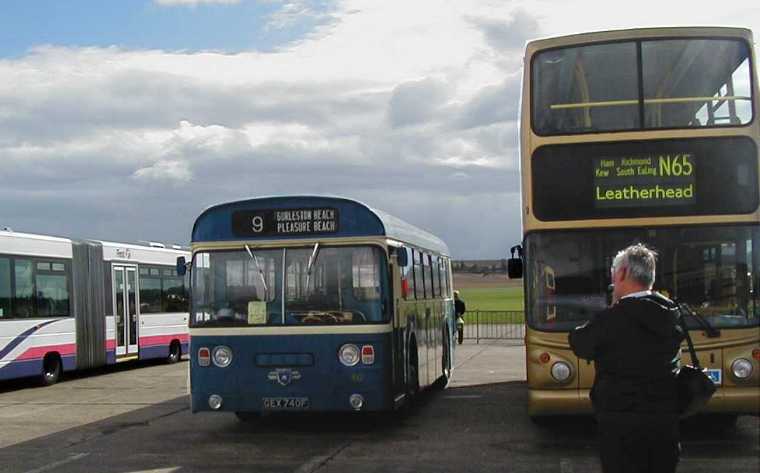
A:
[638,85]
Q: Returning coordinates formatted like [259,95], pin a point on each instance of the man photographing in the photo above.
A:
[635,345]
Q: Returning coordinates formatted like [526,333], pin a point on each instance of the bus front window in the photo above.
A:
[326,285]
[686,83]
[714,270]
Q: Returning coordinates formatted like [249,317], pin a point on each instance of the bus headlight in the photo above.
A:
[222,356]
[349,354]
[560,371]
[741,368]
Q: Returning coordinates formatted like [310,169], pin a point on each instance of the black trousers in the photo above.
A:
[638,443]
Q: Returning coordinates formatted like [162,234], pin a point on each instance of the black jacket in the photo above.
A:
[635,346]
[459,307]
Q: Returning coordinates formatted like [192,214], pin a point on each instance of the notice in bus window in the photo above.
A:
[641,181]
[257,313]
[285,222]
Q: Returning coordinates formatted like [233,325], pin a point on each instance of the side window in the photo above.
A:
[429,294]
[23,301]
[435,267]
[5,288]
[52,290]
[365,274]
[407,275]
[150,290]
[419,287]
[445,277]
[173,294]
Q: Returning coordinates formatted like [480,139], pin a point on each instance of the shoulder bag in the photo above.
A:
[694,387]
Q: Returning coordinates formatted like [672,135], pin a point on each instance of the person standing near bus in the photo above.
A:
[635,345]
[459,310]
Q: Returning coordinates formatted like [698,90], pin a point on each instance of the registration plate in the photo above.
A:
[286,403]
[715,375]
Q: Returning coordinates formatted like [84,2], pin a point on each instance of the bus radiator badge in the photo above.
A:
[284,376]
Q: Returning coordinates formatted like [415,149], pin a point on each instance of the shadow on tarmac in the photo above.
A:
[483,424]
[10,385]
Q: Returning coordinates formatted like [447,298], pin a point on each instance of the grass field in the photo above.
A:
[489,292]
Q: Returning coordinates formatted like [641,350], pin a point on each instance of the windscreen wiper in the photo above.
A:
[261,271]
[711,331]
[312,260]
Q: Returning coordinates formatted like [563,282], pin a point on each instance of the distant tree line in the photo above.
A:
[479,266]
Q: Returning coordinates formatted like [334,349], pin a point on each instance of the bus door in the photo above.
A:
[126,308]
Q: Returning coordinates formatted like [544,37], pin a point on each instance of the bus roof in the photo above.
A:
[618,35]
[306,216]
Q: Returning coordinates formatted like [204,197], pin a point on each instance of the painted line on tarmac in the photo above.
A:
[56,464]
[318,462]
[470,358]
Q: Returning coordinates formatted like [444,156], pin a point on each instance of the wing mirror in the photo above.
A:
[515,264]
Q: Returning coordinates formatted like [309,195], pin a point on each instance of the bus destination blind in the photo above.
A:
[644,181]
[285,222]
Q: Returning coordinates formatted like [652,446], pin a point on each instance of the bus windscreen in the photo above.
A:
[715,176]
[712,269]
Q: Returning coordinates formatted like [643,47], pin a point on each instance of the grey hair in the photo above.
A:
[640,261]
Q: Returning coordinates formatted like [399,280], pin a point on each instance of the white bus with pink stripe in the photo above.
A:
[77,304]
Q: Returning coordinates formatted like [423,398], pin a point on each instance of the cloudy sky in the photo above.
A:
[123,119]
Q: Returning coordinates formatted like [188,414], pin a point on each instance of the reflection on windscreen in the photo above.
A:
[322,285]
[686,83]
[714,270]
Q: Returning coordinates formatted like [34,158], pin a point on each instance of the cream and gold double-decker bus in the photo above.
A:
[644,135]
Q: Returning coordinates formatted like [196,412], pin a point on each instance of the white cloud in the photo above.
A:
[408,105]
[172,171]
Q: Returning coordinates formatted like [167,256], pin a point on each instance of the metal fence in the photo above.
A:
[494,325]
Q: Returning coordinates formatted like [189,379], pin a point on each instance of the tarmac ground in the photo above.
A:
[135,419]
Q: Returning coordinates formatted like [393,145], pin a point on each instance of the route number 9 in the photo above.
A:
[257,224]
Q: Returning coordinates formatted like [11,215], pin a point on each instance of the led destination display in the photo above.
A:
[285,222]
[665,179]
[674,177]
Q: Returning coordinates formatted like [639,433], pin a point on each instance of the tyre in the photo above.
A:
[413,381]
[51,370]
[443,381]
[175,352]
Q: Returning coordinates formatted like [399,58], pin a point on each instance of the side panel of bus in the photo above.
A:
[24,344]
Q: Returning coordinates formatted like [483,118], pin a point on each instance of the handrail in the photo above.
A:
[615,103]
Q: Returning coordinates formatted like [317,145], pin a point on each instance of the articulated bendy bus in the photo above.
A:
[647,135]
[315,303]
[68,304]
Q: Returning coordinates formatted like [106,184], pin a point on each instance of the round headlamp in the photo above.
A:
[222,356]
[561,371]
[741,368]
[349,354]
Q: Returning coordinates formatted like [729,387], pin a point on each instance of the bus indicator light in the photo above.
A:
[368,354]
[756,354]
[544,358]
[204,356]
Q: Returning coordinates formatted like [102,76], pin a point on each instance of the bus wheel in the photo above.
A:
[175,352]
[51,369]
[247,417]
[413,383]
[443,381]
